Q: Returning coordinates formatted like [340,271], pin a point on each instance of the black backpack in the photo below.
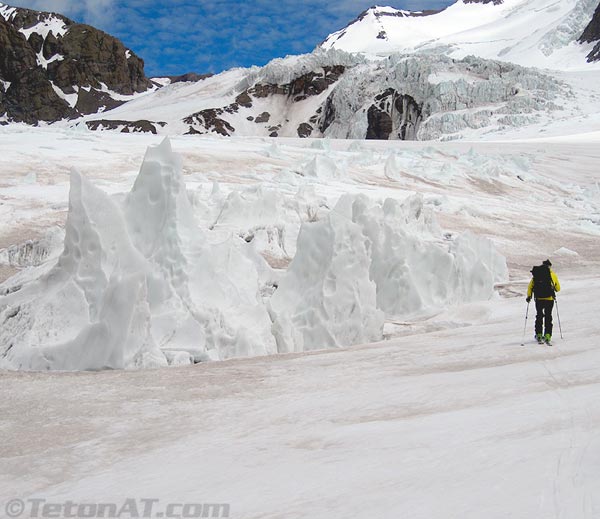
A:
[542,282]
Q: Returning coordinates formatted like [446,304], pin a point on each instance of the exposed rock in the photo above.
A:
[328,115]
[495,2]
[16,55]
[591,34]
[51,46]
[305,130]
[393,116]
[263,118]
[36,42]
[141,126]
[312,84]
[86,57]
[306,85]
[244,100]
[190,77]
[93,57]
[30,96]
[31,99]
[209,121]
[89,101]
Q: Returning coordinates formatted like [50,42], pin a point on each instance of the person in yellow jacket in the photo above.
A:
[543,286]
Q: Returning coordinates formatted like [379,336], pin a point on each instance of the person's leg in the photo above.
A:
[539,317]
[548,307]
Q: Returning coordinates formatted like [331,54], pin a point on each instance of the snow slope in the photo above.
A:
[461,422]
[532,33]
[449,99]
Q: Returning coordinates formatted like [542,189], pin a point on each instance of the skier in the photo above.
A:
[543,285]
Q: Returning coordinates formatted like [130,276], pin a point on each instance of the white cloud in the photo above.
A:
[92,12]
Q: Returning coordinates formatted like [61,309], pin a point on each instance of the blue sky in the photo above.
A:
[178,36]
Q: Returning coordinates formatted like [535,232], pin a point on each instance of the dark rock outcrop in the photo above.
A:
[141,126]
[263,118]
[393,116]
[209,121]
[591,34]
[300,88]
[29,97]
[190,77]
[495,2]
[304,130]
[309,84]
[78,60]
[328,115]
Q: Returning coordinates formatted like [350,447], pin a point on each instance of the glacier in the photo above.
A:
[154,278]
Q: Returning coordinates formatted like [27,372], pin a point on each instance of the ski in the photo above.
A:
[542,342]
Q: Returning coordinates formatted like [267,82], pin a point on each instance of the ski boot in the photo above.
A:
[548,339]
[540,338]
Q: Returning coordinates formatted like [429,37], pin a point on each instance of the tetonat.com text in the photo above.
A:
[130,508]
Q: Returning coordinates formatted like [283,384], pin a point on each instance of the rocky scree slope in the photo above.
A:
[52,68]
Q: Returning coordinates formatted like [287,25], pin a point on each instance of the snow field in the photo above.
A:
[460,422]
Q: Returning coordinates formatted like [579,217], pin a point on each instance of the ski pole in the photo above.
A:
[558,315]
[525,327]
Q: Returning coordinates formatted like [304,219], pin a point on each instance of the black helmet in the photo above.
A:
[547,263]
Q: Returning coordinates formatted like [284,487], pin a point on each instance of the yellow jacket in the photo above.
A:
[555,282]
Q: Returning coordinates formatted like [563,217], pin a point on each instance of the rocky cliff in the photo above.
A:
[52,68]
[591,35]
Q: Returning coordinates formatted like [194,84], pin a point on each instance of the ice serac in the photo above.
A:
[414,268]
[207,300]
[137,285]
[433,97]
[326,299]
[90,311]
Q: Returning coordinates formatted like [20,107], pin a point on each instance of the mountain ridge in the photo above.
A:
[52,68]
[433,90]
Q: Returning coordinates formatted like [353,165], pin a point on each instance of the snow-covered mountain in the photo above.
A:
[471,70]
[537,33]
[335,94]
[462,72]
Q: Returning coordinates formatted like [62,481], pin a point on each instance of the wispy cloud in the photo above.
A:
[178,36]
[93,12]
